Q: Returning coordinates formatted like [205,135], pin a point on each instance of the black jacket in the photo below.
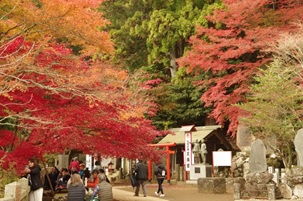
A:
[35,181]
[141,171]
[159,171]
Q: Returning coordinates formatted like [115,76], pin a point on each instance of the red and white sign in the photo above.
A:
[187,152]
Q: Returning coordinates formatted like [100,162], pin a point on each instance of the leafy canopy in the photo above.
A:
[234,47]
[274,106]
[53,100]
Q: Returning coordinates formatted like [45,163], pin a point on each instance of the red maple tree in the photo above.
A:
[232,49]
[53,100]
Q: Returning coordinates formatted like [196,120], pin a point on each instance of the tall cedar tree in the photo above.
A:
[234,47]
[149,36]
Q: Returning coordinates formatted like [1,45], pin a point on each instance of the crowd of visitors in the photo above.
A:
[78,181]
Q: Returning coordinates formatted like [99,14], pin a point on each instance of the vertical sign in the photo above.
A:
[187,153]
[88,161]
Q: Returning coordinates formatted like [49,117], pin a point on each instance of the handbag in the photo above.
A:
[133,180]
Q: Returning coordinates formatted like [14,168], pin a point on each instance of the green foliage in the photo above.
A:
[275,105]
[6,177]
[149,35]
[127,31]
[276,102]
[50,158]
[146,32]
[180,102]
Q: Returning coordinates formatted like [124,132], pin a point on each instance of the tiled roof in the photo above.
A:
[178,136]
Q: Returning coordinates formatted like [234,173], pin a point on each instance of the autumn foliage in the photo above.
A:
[234,46]
[52,99]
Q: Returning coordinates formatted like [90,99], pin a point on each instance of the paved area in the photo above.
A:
[175,192]
[124,195]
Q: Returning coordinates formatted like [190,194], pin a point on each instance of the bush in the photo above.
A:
[6,177]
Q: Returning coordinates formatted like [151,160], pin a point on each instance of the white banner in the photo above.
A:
[88,161]
[187,152]
[222,158]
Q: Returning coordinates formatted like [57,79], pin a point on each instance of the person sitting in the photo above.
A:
[93,181]
[86,173]
[63,178]
[53,176]
[102,171]
[76,190]
[105,189]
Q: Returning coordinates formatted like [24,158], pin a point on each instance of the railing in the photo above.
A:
[16,191]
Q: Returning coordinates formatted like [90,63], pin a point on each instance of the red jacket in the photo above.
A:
[74,166]
[93,184]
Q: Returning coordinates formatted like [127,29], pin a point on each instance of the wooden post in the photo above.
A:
[149,163]
[178,171]
[182,173]
[48,179]
[168,164]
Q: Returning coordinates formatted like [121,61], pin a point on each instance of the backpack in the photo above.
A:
[160,172]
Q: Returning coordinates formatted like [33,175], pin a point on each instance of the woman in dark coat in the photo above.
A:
[160,172]
[34,180]
[76,189]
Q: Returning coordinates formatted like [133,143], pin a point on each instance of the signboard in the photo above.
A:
[88,161]
[187,152]
[222,158]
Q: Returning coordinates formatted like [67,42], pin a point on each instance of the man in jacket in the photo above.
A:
[141,175]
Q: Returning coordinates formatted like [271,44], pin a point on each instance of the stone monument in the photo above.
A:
[257,158]
[197,152]
[258,182]
[244,138]
[200,169]
[299,147]
[203,151]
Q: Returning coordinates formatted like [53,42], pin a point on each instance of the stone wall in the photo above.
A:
[16,191]
[211,185]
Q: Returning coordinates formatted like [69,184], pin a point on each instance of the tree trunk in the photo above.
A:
[175,53]
[173,64]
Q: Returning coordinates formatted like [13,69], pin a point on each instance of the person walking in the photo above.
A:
[76,189]
[141,175]
[160,172]
[34,180]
